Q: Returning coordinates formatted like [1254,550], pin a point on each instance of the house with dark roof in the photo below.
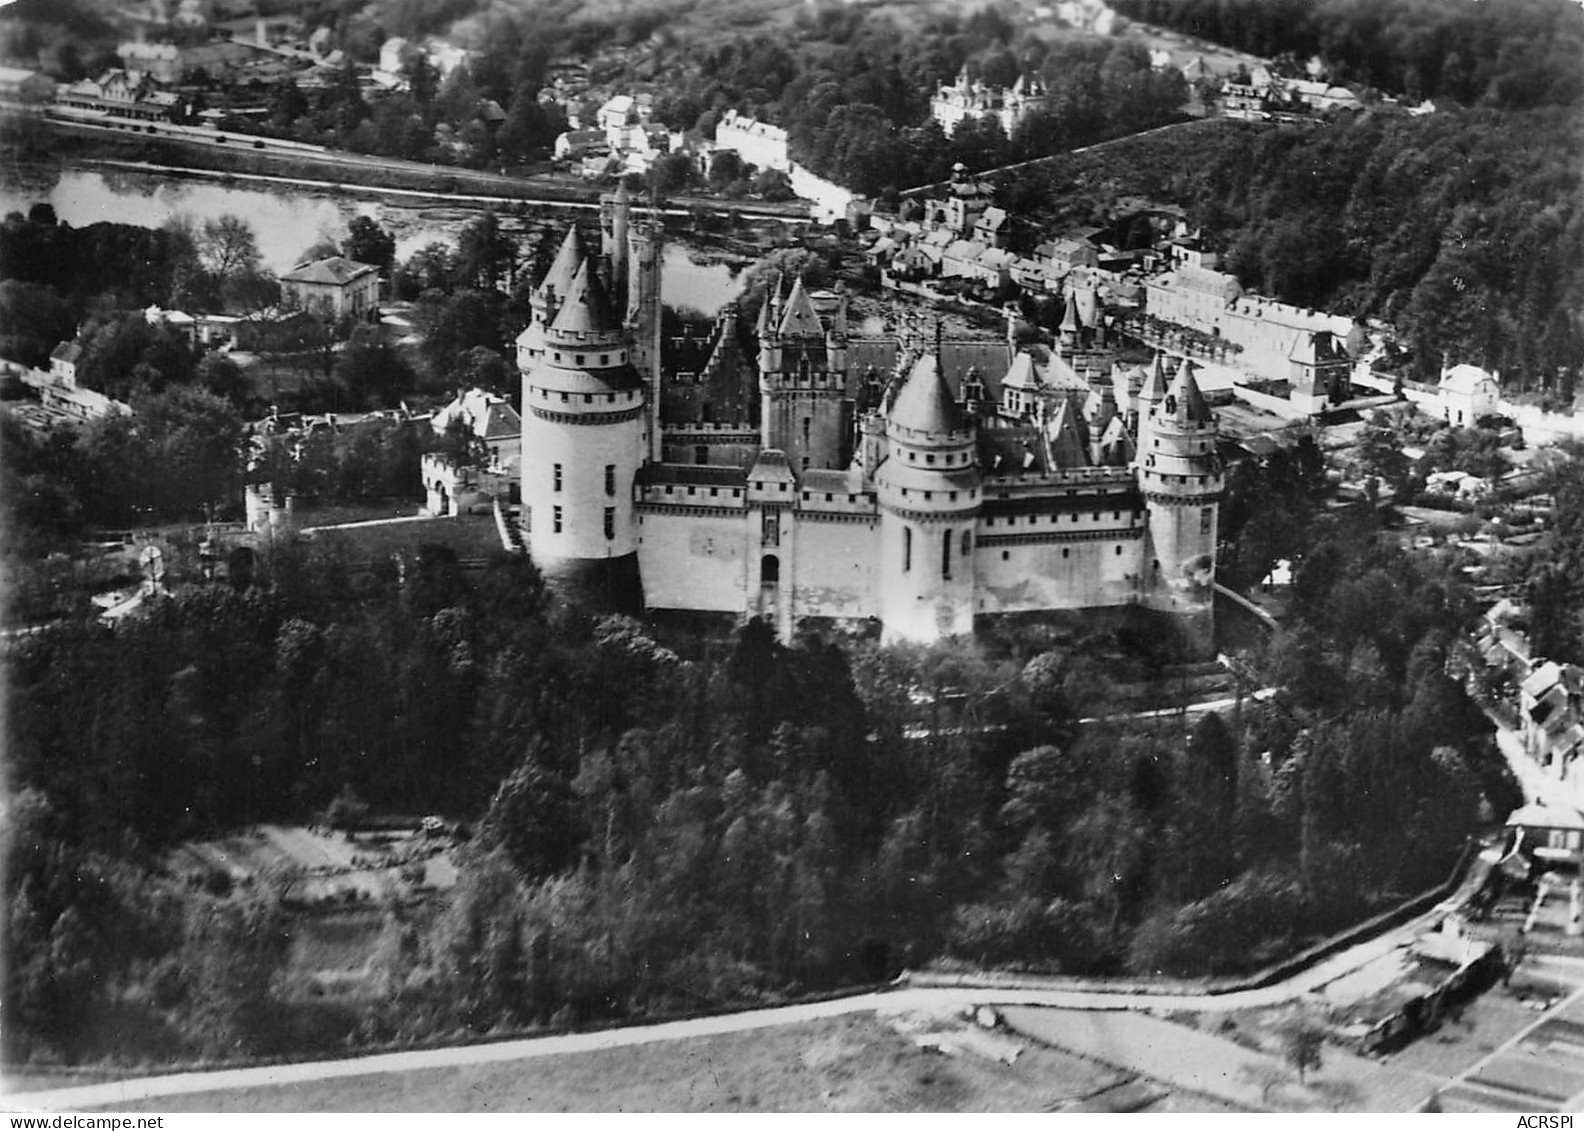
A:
[338,289]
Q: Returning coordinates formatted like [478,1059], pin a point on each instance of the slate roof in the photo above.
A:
[337,271]
[925,403]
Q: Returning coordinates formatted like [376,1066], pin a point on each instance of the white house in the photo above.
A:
[451,487]
[1468,393]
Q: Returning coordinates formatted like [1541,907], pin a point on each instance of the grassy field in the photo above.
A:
[471,536]
[853,1064]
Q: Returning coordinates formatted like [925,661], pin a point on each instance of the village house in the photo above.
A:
[455,485]
[61,400]
[335,288]
[1467,394]
[19,85]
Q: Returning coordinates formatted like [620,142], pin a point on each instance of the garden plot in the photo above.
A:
[320,867]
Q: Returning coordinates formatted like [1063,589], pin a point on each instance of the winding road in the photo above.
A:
[902,998]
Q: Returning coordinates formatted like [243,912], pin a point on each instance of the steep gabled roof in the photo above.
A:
[1116,446]
[801,320]
[67,351]
[1066,439]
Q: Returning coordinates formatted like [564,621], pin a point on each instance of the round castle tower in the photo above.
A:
[583,434]
[1180,476]
[929,493]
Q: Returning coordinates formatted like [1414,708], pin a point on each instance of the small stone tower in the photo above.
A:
[583,414]
[929,494]
[802,382]
[1180,476]
[642,321]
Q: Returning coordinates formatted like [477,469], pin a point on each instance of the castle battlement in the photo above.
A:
[853,497]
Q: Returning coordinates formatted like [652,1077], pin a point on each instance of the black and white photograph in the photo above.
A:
[791,556]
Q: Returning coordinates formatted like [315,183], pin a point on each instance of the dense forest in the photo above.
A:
[1515,54]
[664,820]
[1463,229]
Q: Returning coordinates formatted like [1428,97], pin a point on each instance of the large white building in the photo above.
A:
[757,143]
[968,98]
[920,485]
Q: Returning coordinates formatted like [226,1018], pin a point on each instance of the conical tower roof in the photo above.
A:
[586,313]
[565,265]
[1154,390]
[1188,403]
[800,320]
[925,402]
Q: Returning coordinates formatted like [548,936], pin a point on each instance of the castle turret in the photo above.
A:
[583,440]
[615,209]
[1181,479]
[1151,395]
[929,494]
[643,319]
[545,299]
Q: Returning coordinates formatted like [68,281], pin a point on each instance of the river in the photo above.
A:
[288,223]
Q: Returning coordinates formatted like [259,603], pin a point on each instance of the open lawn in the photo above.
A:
[471,536]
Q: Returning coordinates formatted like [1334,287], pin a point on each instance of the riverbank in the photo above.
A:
[341,172]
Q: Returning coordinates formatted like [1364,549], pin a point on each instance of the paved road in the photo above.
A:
[901,999]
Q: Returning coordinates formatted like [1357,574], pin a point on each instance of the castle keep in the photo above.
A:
[917,481]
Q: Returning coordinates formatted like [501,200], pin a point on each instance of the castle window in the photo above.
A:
[928,495]
[946,554]
[564,398]
[579,358]
[610,398]
[558,477]
[1119,549]
[806,423]
[714,492]
[1097,516]
[555,520]
[1116,516]
[610,523]
[588,398]
[701,453]
[1066,553]
[610,478]
[558,355]
[828,497]
[1006,555]
[954,496]
[758,485]
[604,359]
[930,458]
[967,542]
[907,548]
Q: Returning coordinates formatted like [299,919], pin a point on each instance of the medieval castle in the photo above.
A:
[909,479]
